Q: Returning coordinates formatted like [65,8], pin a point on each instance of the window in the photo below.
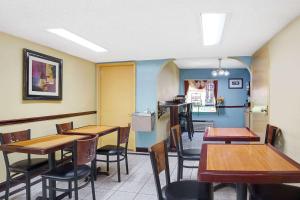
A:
[202,93]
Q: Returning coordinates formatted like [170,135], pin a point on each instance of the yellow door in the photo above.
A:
[260,93]
[117,98]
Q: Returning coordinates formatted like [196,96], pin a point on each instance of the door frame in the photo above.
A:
[98,81]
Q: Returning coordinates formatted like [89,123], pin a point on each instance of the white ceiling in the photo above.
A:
[140,30]
[193,63]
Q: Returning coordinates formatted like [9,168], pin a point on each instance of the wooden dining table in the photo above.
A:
[46,145]
[246,163]
[229,135]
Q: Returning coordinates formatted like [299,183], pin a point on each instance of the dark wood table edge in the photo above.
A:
[246,176]
[254,138]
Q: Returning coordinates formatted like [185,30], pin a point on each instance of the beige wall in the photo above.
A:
[284,54]
[79,90]
[167,89]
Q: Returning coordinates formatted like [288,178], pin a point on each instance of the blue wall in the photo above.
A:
[146,95]
[228,117]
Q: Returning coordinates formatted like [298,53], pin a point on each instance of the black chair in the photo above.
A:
[187,117]
[180,190]
[183,154]
[84,152]
[61,128]
[27,167]
[117,150]
[273,191]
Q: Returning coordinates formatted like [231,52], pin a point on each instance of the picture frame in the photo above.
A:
[42,76]
[235,83]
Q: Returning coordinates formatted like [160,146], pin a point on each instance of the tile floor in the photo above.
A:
[139,184]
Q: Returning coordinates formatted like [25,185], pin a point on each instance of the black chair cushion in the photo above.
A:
[188,190]
[110,150]
[274,192]
[66,172]
[192,152]
[29,165]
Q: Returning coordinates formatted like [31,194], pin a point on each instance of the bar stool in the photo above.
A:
[187,116]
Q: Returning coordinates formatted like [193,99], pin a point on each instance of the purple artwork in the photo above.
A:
[43,77]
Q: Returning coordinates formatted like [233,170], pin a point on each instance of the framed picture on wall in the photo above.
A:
[42,76]
[235,83]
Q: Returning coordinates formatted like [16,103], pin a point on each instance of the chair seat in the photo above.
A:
[191,152]
[188,190]
[274,192]
[29,165]
[66,172]
[110,150]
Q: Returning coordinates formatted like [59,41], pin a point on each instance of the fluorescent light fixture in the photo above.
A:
[77,39]
[212,27]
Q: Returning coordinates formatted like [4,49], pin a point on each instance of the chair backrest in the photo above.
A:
[271,132]
[85,150]
[8,138]
[160,162]
[177,138]
[61,128]
[123,135]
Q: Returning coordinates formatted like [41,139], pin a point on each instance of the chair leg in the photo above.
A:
[44,189]
[93,186]
[61,155]
[70,189]
[7,186]
[178,169]
[118,166]
[181,169]
[95,169]
[126,162]
[76,189]
[107,163]
[27,181]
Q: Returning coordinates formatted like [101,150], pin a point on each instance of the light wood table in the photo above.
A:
[42,146]
[99,130]
[246,163]
[229,135]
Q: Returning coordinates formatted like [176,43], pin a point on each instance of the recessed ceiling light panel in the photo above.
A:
[212,27]
[76,39]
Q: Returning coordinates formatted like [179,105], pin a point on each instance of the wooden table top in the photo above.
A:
[42,145]
[229,134]
[93,130]
[246,163]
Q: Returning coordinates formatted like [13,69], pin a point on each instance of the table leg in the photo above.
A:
[52,184]
[241,191]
